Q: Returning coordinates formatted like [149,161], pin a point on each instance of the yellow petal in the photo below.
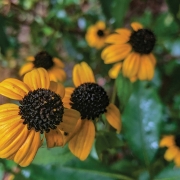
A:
[37,78]
[58,62]
[67,96]
[21,153]
[30,58]
[167,141]
[171,153]
[100,25]
[54,138]
[131,65]
[26,68]
[58,73]
[8,112]
[68,136]
[13,142]
[113,117]
[114,53]
[133,79]
[32,150]
[117,39]
[80,145]
[58,88]
[70,119]
[9,132]
[136,26]
[146,68]
[124,32]
[152,58]
[114,71]
[13,88]
[82,73]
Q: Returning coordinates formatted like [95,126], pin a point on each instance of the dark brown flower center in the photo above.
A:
[100,33]
[44,60]
[142,41]
[177,140]
[90,100]
[42,110]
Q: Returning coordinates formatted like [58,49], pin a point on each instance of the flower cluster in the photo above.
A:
[47,111]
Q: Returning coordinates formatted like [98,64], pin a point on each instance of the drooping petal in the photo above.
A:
[59,74]
[67,96]
[82,73]
[146,68]
[167,141]
[23,150]
[170,153]
[113,117]
[80,145]
[114,53]
[26,68]
[12,140]
[13,88]
[131,65]
[70,119]
[54,138]
[58,88]
[58,62]
[68,136]
[136,26]
[37,78]
[29,149]
[114,71]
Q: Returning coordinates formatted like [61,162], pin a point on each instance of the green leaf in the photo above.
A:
[55,155]
[141,122]
[76,170]
[119,10]
[174,7]
[169,173]
[106,8]
[124,89]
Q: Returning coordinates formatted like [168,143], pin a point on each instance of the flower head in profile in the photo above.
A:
[53,65]
[91,101]
[173,148]
[40,113]
[135,48]
[96,35]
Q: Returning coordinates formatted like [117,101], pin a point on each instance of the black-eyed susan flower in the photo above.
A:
[96,35]
[91,101]
[173,148]
[53,65]
[40,111]
[135,48]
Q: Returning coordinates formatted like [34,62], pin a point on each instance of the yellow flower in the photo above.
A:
[91,101]
[96,35]
[40,111]
[135,48]
[173,144]
[54,66]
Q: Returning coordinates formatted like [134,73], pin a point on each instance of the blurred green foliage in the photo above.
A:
[149,109]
